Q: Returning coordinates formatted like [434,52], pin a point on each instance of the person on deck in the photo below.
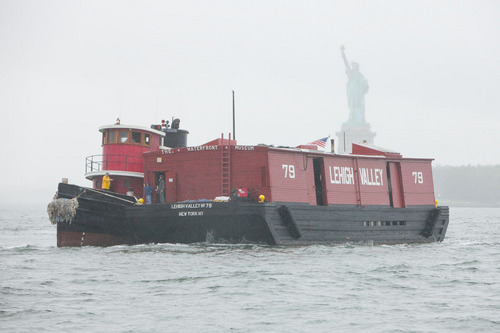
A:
[106,181]
[148,189]
[161,189]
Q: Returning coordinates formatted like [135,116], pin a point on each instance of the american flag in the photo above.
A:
[320,142]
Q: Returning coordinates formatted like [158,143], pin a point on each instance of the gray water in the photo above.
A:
[453,286]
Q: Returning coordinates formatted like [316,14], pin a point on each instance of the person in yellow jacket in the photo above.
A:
[106,181]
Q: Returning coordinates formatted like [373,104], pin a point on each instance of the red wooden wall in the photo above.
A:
[289,173]
[396,185]
[127,156]
[119,183]
[123,157]
[250,170]
[374,189]
[288,176]
[341,180]
[418,185]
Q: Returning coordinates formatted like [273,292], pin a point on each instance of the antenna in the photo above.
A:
[234,126]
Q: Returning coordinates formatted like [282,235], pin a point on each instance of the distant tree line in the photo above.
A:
[467,185]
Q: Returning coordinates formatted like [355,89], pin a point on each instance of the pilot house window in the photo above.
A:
[136,137]
[127,137]
[122,137]
[111,136]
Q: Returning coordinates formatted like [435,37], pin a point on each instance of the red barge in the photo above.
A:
[213,193]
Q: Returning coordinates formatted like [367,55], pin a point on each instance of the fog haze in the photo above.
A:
[68,67]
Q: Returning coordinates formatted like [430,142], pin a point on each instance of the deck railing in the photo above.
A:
[95,163]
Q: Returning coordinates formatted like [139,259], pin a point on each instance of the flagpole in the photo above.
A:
[234,126]
[344,142]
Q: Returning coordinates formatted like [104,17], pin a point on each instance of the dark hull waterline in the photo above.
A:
[104,219]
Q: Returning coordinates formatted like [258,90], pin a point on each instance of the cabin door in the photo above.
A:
[171,186]
[319,182]
[394,181]
[159,196]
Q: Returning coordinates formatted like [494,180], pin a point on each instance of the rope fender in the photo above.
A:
[62,210]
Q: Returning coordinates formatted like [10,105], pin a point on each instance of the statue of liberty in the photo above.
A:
[357,87]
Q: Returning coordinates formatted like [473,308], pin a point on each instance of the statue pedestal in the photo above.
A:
[353,133]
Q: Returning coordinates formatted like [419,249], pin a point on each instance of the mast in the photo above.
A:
[234,126]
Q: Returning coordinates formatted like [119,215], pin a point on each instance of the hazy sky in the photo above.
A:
[68,67]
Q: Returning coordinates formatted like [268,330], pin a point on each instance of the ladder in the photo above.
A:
[225,167]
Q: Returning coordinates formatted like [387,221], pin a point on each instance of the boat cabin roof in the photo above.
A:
[369,149]
[130,127]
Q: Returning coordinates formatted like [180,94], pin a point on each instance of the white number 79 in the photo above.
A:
[289,170]
[419,177]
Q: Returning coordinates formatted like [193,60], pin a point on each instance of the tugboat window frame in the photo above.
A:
[122,137]
[136,138]
[111,137]
[147,139]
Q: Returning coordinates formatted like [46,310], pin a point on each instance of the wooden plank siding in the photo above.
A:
[288,175]
[417,180]
[123,157]
[288,172]
[372,177]
[341,187]
[394,169]
[249,169]
[197,173]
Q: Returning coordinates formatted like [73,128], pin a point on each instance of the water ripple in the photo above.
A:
[439,287]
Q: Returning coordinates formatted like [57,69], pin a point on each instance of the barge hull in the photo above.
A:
[110,221]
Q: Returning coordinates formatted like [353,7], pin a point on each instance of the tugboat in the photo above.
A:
[222,192]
